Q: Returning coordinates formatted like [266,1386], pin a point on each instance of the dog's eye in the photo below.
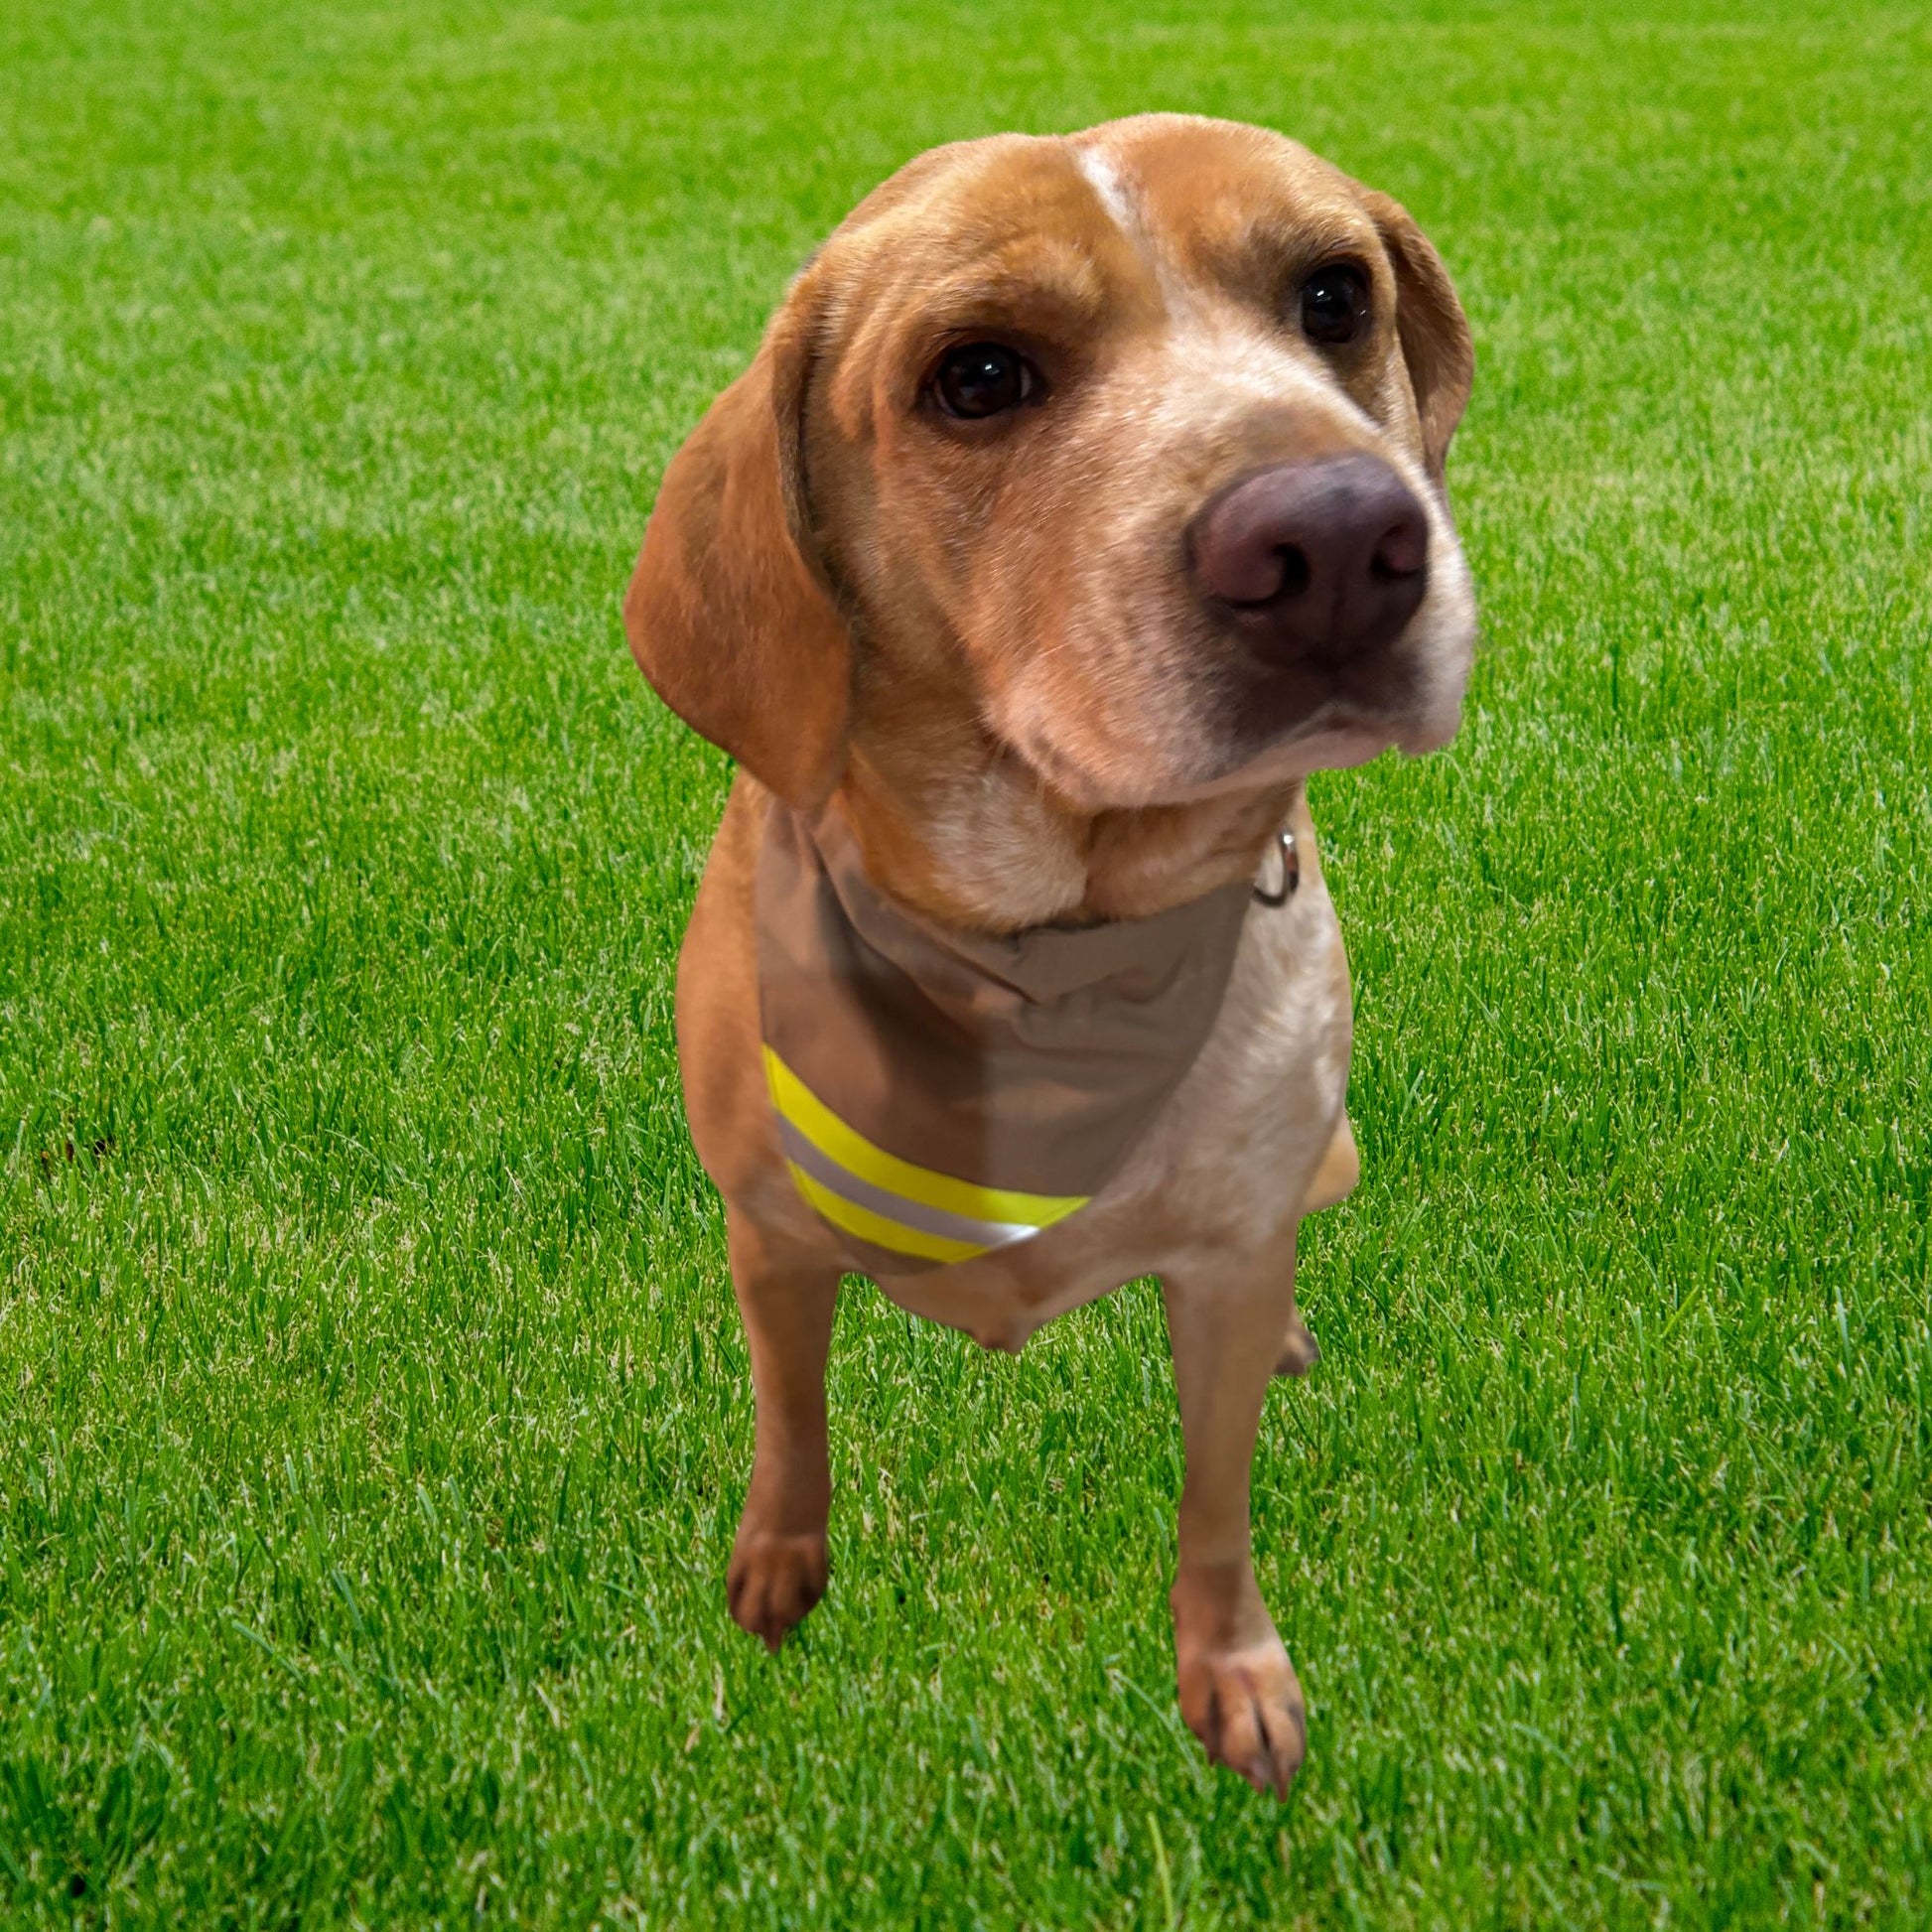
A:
[983,379]
[1334,304]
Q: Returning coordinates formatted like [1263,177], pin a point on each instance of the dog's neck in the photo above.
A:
[985,844]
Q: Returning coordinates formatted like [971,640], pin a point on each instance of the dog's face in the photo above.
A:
[1131,443]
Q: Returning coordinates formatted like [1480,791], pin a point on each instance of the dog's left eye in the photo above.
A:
[982,379]
[1334,304]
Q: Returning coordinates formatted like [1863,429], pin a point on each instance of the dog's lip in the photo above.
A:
[1333,739]
[1053,767]
[1336,736]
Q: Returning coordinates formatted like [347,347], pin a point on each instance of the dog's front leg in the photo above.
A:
[1238,1691]
[778,1566]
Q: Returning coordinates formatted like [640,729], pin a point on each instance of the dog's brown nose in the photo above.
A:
[1325,559]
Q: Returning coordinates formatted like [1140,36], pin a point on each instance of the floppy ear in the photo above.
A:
[728,613]
[1432,327]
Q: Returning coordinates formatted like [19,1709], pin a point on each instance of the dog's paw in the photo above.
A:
[1300,1351]
[1245,1705]
[772,1582]
[1238,1691]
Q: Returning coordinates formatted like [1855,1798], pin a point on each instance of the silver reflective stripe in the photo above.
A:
[914,1214]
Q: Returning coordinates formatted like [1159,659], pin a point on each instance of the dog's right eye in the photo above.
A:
[980,380]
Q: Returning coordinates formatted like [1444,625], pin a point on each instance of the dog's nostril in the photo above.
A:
[1285,574]
[1295,570]
[1402,551]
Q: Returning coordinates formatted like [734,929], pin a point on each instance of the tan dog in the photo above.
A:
[1085,496]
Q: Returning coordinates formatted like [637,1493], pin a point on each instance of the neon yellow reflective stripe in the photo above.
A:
[876,1228]
[857,1154]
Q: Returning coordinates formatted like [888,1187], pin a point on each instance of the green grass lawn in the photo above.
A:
[373,1413]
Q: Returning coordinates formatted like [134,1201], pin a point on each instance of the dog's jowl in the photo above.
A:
[1085,496]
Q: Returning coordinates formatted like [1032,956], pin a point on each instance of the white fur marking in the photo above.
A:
[1106,182]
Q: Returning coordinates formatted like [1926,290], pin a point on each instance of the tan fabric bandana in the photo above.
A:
[940,1093]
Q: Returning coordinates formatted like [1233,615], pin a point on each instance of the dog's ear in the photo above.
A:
[1431,326]
[727,612]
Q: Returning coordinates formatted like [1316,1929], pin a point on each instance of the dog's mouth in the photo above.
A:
[1336,737]
[1245,726]
[1279,705]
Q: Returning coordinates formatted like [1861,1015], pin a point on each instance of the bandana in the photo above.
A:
[940,1094]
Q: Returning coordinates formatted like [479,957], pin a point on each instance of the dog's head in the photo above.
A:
[1128,447]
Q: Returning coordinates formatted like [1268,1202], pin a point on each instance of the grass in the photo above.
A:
[372,1411]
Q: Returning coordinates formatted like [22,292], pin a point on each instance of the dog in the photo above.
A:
[1085,495]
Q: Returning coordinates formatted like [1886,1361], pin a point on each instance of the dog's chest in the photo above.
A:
[940,1096]
[1249,1125]
[1221,1162]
